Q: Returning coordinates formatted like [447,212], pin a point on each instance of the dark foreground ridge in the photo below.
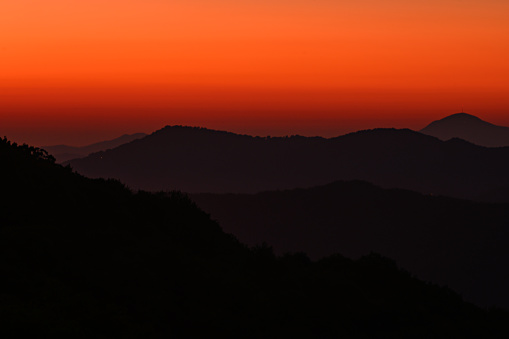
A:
[470,128]
[199,160]
[458,243]
[84,258]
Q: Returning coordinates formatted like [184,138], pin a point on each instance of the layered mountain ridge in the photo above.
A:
[64,153]
[448,241]
[90,258]
[201,160]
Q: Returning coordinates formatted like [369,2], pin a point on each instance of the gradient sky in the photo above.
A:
[79,71]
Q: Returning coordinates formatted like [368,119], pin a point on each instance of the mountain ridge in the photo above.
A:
[449,241]
[470,128]
[201,160]
[116,263]
[63,153]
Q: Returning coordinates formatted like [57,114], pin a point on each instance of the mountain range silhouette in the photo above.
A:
[469,128]
[90,258]
[201,160]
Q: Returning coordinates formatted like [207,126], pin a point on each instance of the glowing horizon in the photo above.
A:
[78,72]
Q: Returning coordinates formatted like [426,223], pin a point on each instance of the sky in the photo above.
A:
[77,72]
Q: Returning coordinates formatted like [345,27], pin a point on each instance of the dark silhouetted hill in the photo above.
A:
[84,258]
[469,128]
[201,160]
[64,153]
[459,243]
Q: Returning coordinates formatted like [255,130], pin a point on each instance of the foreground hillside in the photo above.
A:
[199,160]
[84,258]
[459,243]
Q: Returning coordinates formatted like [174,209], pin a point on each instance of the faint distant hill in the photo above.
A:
[458,243]
[202,160]
[469,128]
[64,153]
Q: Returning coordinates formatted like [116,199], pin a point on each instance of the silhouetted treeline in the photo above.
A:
[84,258]
[197,160]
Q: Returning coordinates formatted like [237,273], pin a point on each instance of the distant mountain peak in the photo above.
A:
[470,128]
[462,115]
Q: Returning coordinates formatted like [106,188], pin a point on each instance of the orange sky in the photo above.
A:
[79,71]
